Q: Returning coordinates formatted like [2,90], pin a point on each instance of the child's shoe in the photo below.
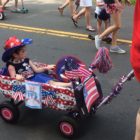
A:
[97,42]
[117,49]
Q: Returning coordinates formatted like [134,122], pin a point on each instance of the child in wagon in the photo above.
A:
[21,67]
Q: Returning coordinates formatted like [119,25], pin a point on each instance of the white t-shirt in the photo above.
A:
[99,8]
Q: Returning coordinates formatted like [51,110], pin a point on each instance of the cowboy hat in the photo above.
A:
[12,44]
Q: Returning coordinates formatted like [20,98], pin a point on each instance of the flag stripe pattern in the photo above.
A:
[90,90]
[18,91]
[81,73]
[90,93]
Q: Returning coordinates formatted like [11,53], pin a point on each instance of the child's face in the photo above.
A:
[21,54]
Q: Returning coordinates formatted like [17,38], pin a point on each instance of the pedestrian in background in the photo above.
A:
[0,3]
[16,5]
[67,3]
[86,10]
[113,7]
[101,16]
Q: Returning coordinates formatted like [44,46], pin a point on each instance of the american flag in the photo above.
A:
[48,97]
[90,90]
[49,100]
[46,92]
[90,93]
[18,91]
[81,72]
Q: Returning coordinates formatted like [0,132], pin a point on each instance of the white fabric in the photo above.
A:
[99,8]
[85,3]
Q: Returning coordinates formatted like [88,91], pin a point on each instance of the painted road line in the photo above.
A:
[52,32]
[124,41]
[42,29]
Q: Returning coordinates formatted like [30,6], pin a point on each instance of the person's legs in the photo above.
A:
[76,16]
[137,131]
[4,4]
[72,7]
[117,20]
[0,3]
[116,25]
[80,13]
[99,24]
[63,6]
[106,24]
[61,84]
[116,16]
[88,18]
[16,4]
[107,38]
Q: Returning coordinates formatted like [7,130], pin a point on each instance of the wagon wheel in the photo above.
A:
[9,112]
[2,16]
[68,126]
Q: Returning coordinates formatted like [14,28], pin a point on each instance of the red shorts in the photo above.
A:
[114,7]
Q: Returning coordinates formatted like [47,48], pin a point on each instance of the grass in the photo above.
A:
[133,1]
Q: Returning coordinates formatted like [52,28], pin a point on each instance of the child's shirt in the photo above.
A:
[23,68]
[99,8]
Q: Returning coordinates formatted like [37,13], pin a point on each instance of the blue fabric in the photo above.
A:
[41,78]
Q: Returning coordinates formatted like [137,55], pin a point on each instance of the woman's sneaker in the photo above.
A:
[117,49]
[97,42]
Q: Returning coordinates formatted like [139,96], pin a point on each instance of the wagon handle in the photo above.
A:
[117,88]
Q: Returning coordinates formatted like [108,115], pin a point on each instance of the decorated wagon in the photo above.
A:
[79,102]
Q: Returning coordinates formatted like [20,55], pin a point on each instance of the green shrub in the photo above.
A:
[133,1]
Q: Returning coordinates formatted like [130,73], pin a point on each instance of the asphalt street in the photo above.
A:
[55,36]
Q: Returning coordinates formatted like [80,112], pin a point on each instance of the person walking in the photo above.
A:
[0,3]
[101,16]
[67,3]
[16,5]
[114,8]
[86,10]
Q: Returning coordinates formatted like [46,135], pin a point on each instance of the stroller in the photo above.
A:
[80,102]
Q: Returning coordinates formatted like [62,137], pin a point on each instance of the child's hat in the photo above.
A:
[12,44]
